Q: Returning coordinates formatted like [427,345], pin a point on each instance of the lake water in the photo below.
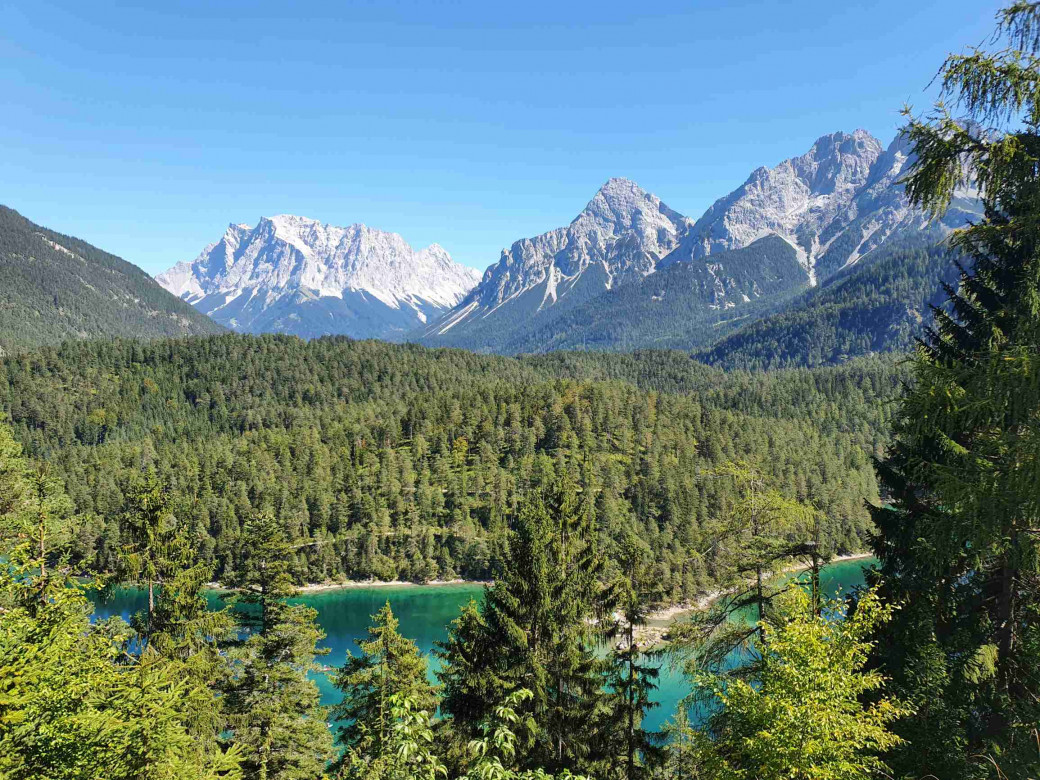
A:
[425,612]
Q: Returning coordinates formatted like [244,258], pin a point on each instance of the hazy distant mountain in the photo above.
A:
[833,206]
[55,287]
[295,275]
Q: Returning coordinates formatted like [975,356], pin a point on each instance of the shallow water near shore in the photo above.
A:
[425,613]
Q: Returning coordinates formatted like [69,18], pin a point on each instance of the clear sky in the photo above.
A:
[146,127]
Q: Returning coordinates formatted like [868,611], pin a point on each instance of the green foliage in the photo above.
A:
[879,305]
[631,674]
[55,287]
[72,705]
[756,540]
[271,705]
[356,448]
[390,668]
[405,752]
[534,631]
[800,714]
[957,540]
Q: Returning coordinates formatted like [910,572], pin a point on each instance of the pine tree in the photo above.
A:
[957,538]
[632,674]
[388,666]
[533,632]
[272,706]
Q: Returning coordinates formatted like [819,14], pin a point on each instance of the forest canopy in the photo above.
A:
[399,462]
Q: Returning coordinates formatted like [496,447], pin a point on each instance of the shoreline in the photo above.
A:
[705,600]
[659,620]
[321,587]
[665,613]
[318,587]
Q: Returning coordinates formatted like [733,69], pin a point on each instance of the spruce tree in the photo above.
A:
[957,537]
[632,674]
[388,666]
[153,546]
[272,707]
[535,631]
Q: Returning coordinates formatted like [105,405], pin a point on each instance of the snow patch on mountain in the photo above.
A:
[288,261]
[621,234]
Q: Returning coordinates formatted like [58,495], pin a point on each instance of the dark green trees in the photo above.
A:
[396,462]
[958,537]
[534,632]
[272,708]
[389,671]
[631,673]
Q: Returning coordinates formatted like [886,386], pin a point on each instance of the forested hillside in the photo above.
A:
[55,287]
[402,462]
[881,306]
[687,305]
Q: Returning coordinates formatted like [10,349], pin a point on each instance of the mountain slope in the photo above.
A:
[837,202]
[55,287]
[620,236]
[685,305]
[835,206]
[295,275]
[879,306]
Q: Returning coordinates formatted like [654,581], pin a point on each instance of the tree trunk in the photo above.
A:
[631,702]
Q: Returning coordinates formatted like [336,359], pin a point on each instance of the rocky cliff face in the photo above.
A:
[296,275]
[834,204]
[621,235]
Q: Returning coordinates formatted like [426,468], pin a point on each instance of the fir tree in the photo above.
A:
[632,674]
[957,536]
[272,706]
[388,666]
[533,632]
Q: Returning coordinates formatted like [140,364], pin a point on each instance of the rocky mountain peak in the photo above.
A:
[801,199]
[288,260]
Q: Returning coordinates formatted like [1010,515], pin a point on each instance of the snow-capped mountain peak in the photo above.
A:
[299,275]
[621,234]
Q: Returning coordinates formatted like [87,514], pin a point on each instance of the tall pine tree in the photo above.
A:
[272,706]
[959,534]
[389,669]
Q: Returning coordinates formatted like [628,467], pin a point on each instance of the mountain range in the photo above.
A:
[815,260]
[295,275]
[599,282]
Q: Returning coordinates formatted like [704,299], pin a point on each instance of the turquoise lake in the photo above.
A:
[425,612]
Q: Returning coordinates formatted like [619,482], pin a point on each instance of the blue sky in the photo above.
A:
[146,127]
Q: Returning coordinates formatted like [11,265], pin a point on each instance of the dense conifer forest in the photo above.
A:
[878,307]
[399,462]
[590,488]
[55,287]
